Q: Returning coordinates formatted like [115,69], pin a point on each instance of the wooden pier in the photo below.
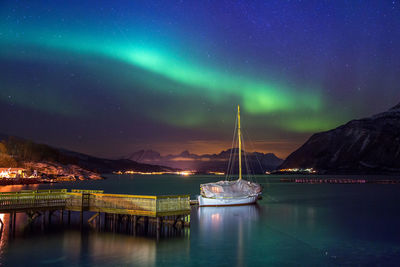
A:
[339,181]
[117,209]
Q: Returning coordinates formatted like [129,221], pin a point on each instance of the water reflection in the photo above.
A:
[311,225]
[227,226]
[73,246]
[14,188]
[213,219]
[109,248]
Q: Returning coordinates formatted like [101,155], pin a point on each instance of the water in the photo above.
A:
[294,224]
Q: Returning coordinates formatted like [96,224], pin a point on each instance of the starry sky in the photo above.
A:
[111,77]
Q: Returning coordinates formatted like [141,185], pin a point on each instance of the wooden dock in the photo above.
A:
[194,202]
[171,210]
[338,181]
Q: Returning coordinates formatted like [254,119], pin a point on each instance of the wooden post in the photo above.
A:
[98,222]
[93,217]
[105,221]
[176,221]
[134,225]
[119,222]
[14,223]
[110,222]
[159,222]
[43,219]
[134,222]
[61,216]
[10,223]
[81,218]
[49,217]
[69,217]
[159,225]
[146,224]
[130,224]
[114,219]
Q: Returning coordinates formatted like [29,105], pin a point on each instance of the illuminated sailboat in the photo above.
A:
[230,193]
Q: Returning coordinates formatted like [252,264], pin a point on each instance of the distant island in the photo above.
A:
[369,145]
[258,162]
[26,158]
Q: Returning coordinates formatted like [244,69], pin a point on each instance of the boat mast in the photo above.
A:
[240,146]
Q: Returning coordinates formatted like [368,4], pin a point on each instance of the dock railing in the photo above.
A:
[167,205]
[124,204]
[95,201]
[26,200]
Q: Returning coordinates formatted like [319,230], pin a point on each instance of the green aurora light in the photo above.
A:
[255,95]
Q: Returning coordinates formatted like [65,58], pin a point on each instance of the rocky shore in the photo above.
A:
[59,172]
[22,181]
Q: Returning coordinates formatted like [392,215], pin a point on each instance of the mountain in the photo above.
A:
[369,145]
[258,162]
[24,151]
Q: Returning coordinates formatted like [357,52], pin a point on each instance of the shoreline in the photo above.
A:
[21,181]
[29,181]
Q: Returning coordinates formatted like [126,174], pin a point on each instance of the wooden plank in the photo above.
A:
[171,213]
[124,211]
[93,217]
[130,196]
[86,191]
[173,196]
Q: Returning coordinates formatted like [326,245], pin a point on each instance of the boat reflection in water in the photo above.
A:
[231,226]
[215,219]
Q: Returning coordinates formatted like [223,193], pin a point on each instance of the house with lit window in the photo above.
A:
[12,172]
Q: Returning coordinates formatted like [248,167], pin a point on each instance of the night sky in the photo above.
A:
[111,77]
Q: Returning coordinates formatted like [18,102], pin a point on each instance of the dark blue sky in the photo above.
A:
[111,77]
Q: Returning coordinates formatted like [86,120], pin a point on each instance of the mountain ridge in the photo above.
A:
[206,162]
[24,150]
[367,145]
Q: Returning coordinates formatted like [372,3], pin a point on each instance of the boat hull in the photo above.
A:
[215,202]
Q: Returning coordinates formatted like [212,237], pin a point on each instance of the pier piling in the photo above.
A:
[69,217]
[61,216]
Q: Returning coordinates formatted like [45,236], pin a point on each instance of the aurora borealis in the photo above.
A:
[110,77]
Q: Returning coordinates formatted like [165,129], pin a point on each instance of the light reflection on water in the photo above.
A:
[108,248]
[252,235]
[13,188]
[68,246]
[295,224]
[214,220]
[221,223]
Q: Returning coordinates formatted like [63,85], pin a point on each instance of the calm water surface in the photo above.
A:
[294,224]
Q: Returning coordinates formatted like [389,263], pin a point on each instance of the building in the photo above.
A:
[12,172]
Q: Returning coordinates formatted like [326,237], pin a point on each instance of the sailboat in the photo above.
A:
[230,193]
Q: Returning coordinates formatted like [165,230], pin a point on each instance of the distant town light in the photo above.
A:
[306,170]
[183,173]
[12,173]
[216,173]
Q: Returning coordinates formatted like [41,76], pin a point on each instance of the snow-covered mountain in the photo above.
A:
[366,145]
[258,162]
